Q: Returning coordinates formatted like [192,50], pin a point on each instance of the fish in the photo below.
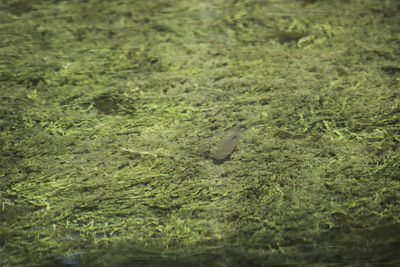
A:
[75,258]
[286,36]
[226,148]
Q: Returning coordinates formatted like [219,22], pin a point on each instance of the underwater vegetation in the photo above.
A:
[118,144]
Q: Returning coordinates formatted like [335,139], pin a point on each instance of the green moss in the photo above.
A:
[110,112]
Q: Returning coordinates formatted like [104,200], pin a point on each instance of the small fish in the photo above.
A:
[75,258]
[286,37]
[226,148]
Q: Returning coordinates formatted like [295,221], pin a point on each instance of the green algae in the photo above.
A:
[110,109]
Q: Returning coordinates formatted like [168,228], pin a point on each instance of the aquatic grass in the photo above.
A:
[111,111]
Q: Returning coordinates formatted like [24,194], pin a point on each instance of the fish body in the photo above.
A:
[227,146]
[75,258]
